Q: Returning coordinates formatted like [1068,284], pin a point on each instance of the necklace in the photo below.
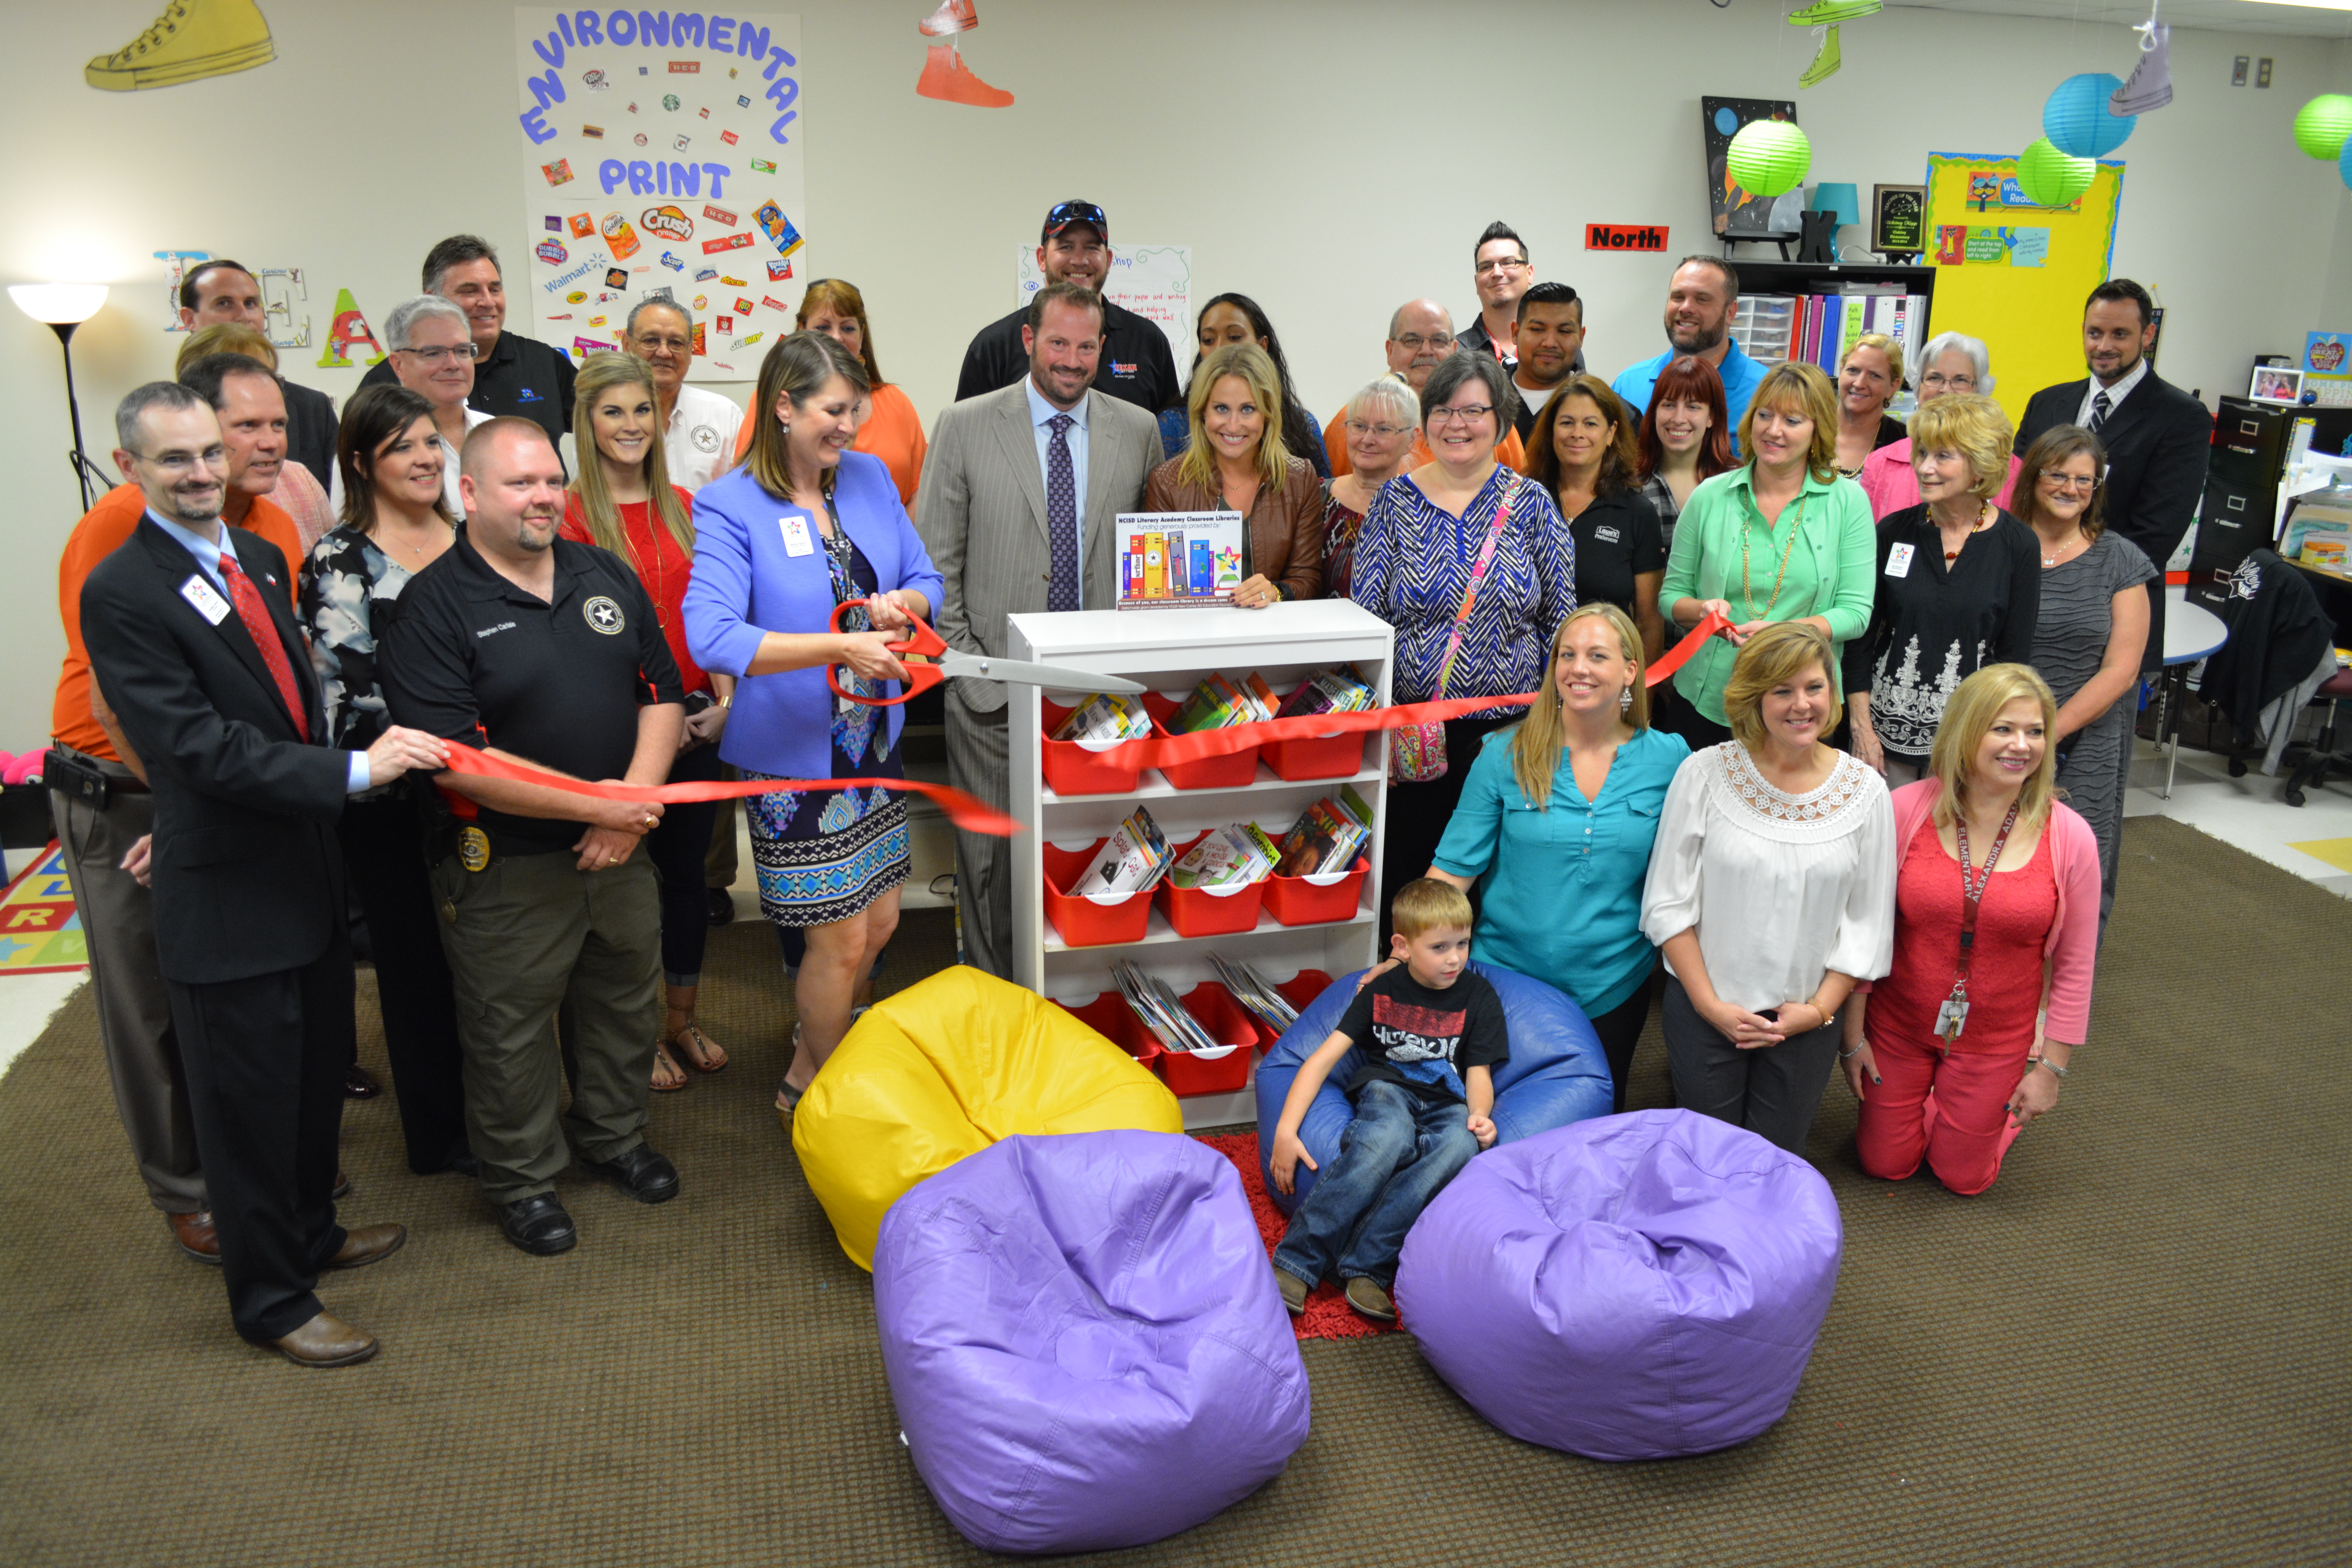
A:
[1983,521]
[2052,557]
[1746,592]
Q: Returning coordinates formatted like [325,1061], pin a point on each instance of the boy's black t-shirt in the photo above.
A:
[1425,1040]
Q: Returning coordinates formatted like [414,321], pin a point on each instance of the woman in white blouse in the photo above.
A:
[1790,848]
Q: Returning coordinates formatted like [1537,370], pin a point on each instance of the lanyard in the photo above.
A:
[1470,594]
[1953,1016]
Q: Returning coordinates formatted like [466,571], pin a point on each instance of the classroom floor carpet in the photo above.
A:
[2136,1348]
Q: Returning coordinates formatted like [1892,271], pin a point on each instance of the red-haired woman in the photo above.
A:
[1684,437]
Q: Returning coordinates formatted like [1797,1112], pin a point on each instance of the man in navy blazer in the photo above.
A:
[2158,438]
[194,648]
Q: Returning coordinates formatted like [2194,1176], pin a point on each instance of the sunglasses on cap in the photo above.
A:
[1064,213]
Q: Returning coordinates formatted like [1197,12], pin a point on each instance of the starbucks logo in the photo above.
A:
[604,615]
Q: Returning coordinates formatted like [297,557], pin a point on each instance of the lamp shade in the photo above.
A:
[1832,197]
[2051,178]
[1769,157]
[58,303]
[2077,120]
[2324,125]
[2344,163]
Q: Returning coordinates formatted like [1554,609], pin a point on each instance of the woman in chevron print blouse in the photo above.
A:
[1418,563]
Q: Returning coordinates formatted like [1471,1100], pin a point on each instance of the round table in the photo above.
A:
[2192,632]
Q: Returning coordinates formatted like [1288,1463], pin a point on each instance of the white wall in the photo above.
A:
[1331,157]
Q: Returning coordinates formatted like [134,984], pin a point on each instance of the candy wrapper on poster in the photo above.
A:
[709,175]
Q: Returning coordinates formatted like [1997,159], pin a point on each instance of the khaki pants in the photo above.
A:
[530,938]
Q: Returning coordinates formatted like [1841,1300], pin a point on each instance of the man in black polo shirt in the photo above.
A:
[1137,366]
[543,651]
[512,374]
[224,290]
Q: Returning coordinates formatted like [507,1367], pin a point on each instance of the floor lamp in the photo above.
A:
[63,307]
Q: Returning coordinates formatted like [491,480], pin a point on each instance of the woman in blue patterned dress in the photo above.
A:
[803,525]
[1428,534]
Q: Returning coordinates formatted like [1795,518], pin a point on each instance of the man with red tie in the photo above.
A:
[194,648]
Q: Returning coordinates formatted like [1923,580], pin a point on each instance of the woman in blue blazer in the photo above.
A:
[805,525]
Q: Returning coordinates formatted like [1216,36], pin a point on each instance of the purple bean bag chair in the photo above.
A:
[1633,1287]
[1084,1340]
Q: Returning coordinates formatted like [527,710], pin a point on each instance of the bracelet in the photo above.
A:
[1849,1056]
[2033,1062]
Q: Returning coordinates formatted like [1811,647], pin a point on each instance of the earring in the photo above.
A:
[1625,700]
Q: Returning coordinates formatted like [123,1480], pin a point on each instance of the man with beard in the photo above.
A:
[1421,334]
[1699,301]
[1550,335]
[1136,365]
[548,653]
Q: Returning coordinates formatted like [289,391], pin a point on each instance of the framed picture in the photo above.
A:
[1899,219]
[1740,213]
[2276,383]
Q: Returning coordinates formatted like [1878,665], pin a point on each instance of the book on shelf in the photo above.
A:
[1340,690]
[1131,859]
[1239,853]
[1160,1010]
[1217,703]
[1255,993]
[1327,836]
[1819,328]
[1105,716]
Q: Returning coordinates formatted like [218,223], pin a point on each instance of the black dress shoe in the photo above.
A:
[537,1224]
[360,1084]
[722,906]
[645,1175]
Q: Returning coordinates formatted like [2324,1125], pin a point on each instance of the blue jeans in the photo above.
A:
[1397,1153]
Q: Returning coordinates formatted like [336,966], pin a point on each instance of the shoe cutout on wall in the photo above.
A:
[2151,85]
[952,16]
[1828,11]
[1826,59]
[191,40]
[948,79]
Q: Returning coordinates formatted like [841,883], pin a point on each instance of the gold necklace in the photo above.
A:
[1746,592]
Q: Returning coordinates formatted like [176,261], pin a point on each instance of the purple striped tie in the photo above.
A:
[1062,516]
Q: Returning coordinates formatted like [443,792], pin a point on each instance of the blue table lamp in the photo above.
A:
[1831,196]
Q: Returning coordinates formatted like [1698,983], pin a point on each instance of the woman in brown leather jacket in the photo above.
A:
[1236,463]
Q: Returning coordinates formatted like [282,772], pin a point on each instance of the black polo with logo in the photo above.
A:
[469,657]
[521,376]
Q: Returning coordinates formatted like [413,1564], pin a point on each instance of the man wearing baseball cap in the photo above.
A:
[1137,366]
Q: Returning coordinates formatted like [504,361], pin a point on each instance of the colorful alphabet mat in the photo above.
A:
[40,933]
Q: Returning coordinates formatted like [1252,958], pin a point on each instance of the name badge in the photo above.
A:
[205,597]
[796,536]
[1898,560]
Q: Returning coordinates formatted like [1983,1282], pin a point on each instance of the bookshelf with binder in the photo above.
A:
[1813,312]
[1292,933]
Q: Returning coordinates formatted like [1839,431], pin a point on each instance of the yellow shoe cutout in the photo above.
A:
[191,40]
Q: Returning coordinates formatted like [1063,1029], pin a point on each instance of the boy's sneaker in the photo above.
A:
[1369,1300]
[1293,1288]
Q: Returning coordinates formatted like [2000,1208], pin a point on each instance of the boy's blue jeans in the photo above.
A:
[1397,1153]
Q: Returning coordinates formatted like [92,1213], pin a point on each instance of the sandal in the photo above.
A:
[677,1075]
[788,1098]
[698,1048]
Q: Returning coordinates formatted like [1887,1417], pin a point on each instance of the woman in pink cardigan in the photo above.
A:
[1997,918]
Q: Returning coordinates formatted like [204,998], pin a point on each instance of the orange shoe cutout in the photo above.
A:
[948,79]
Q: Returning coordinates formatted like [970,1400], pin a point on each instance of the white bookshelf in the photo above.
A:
[1170,651]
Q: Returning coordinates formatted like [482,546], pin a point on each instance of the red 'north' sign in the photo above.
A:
[1624,237]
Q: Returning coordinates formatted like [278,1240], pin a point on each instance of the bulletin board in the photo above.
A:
[2016,274]
[1155,281]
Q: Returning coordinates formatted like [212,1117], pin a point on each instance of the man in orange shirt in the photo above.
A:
[1421,334]
[103,813]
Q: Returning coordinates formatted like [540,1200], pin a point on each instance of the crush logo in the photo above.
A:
[667,222]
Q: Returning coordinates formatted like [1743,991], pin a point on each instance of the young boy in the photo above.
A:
[1431,1033]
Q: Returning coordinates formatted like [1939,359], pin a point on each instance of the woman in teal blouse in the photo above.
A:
[1555,827]
[1781,538]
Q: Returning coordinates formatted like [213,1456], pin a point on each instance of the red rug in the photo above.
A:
[1328,1314]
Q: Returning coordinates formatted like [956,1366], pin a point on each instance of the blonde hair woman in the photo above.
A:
[1996,921]
[1958,586]
[1780,538]
[1869,377]
[308,502]
[1555,826]
[623,501]
[1793,845]
[1236,462]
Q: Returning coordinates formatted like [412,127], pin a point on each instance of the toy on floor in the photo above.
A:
[1556,1074]
[943,1070]
[1635,1288]
[1083,1341]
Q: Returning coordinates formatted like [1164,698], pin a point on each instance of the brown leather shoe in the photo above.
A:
[326,1341]
[368,1244]
[197,1237]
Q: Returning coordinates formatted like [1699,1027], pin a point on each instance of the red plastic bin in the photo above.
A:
[1072,769]
[1300,991]
[1229,771]
[1090,919]
[1201,911]
[1109,1016]
[1192,1072]
[1317,757]
[1299,901]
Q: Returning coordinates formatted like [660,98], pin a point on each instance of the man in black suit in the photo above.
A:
[194,647]
[224,290]
[2158,438]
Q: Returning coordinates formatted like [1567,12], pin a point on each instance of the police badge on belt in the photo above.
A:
[473,849]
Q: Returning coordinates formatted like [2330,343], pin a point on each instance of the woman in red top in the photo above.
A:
[1984,822]
[623,501]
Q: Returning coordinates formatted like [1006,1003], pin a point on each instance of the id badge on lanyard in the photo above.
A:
[1953,1016]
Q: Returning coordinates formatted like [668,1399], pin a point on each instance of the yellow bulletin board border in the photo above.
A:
[2030,317]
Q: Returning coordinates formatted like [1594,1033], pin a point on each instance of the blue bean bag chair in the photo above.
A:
[1638,1286]
[1557,1073]
[1084,1342]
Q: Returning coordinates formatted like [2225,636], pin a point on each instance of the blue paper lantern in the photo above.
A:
[2076,118]
[2344,164]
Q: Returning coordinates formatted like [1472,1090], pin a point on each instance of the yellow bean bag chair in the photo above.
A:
[945,1068]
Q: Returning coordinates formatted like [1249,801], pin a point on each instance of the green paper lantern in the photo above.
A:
[2051,178]
[1769,157]
[2324,125]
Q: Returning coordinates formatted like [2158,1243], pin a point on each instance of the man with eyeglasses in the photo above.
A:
[192,641]
[432,354]
[512,374]
[1420,336]
[698,427]
[100,801]
[1500,271]
[226,290]
[1137,364]
[1700,298]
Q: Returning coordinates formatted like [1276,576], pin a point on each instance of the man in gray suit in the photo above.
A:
[1018,507]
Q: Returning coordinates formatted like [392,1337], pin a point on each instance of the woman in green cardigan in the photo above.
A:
[1781,538]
